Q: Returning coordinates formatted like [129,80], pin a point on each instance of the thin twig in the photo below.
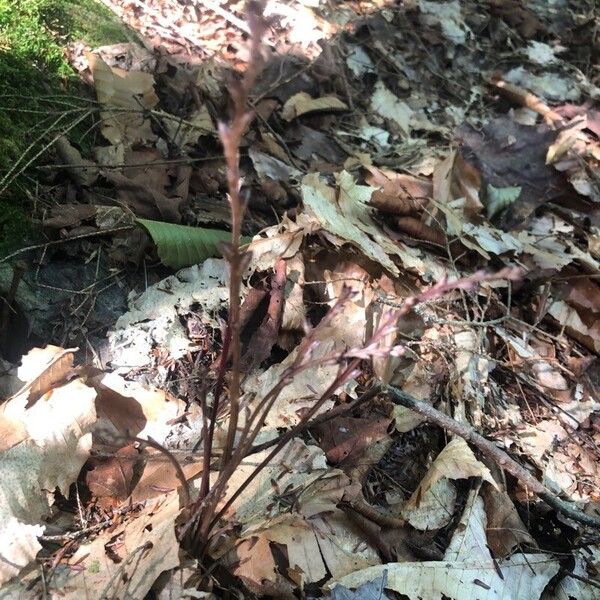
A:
[64,241]
[75,535]
[521,96]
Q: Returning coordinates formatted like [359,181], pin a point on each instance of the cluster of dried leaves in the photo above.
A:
[412,147]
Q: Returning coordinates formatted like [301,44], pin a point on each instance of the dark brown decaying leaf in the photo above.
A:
[399,194]
[69,215]
[344,439]
[144,201]
[265,337]
[110,478]
[507,154]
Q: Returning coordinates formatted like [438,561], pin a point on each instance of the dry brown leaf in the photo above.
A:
[145,201]
[127,408]
[159,475]
[109,478]
[344,438]
[505,529]
[125,95]
[256,562]
[69,215]
[81,171]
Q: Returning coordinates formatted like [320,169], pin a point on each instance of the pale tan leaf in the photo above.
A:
[406,419]
[455,461]
[294,310]
[303,549]
[389,106]
[568,317]
[435,508]
[467,571]
[301,392]
[18,546]
[357,227]
[342,544]
[524,575]
[149,547]
[185,132]
[277,244]
[124,96]
[448,17]
[43,369]
[257,505]
[469,538]
[52,443]
[329,543]
[302,103]
[582,585]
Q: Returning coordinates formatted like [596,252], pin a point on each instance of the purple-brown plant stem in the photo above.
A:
[231,138]
[341,379]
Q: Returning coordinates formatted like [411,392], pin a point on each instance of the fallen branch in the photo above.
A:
[491,450]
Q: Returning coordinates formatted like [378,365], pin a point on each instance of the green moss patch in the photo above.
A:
[40,94]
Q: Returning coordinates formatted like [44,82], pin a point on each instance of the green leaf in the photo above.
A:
[180,245]
[500,198]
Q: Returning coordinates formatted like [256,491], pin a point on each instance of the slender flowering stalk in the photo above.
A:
[231,135]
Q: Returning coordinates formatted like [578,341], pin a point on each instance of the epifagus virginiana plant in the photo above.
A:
[204,526]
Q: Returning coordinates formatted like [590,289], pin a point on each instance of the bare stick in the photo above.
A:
[521,96]
[490,449]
